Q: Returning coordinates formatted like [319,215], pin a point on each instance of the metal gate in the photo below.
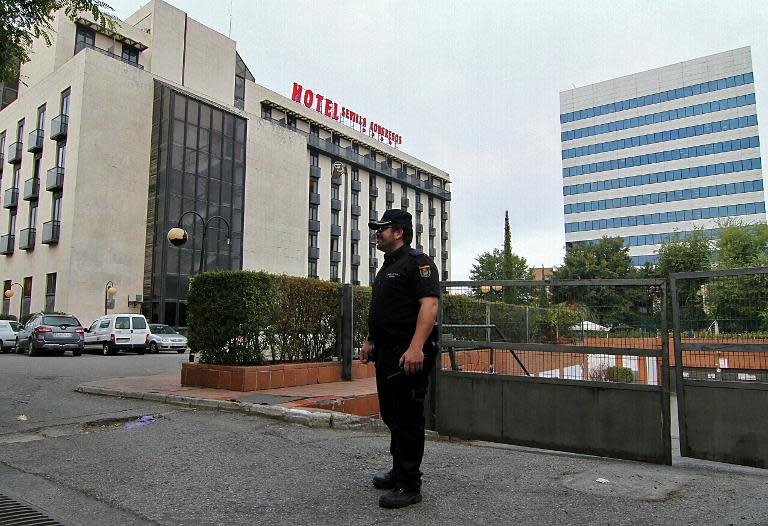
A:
[577,366]
[720,330]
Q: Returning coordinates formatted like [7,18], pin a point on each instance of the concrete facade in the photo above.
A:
[106,200]
[660,152]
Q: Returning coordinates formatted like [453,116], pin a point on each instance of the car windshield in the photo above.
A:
[61,321]
[161,329]
[14,326]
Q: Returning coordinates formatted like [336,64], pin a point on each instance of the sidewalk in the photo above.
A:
[352,404]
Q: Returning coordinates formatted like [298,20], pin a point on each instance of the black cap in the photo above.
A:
[395,218]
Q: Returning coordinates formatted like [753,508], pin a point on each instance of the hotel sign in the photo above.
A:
[330,108]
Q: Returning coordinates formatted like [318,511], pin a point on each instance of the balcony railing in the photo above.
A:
[314,171]
[51,232]
[35,140]
[11,198]
[374,191]
[432,252]
[314,198]
[432,212]
[355,259]
[444,216]
[6,244]
[55,179]
[79,46]
[355,210]
[335,257]
[59,126]
[335,204]
[390,197]
[419,206]
[31,189]
[27,239]
[404,202]
[335,230]
[373,215]
[355,235]
[14,152]
[419,228]
[314,226]
[314,253]
[373,262]
[356,186]
[445,254]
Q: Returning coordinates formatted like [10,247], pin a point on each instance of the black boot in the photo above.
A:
[400,498]
[384,479]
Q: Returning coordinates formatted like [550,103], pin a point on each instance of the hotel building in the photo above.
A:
[655,154]
[115,133]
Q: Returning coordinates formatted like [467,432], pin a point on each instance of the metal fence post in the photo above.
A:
[678,367]
[347,312]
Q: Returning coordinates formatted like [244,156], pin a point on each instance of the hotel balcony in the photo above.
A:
[55,179]
[6,244]
[11,198]
[35,140]
[27,239]
[31,189]
[59,126]
[51,232]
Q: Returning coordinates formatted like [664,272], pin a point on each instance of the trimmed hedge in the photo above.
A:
[227,314]
[242,317]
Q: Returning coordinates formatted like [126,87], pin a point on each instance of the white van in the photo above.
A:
[116,332]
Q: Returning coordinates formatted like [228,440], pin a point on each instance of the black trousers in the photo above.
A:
[401,404]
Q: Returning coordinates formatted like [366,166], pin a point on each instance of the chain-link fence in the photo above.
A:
[600,330]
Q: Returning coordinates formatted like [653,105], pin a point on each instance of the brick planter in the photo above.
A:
[259,377]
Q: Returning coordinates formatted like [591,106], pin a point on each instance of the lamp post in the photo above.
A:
[341,170]
[177,236]
[109,293]
[9,294]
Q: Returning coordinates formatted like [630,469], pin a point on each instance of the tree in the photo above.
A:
[490,266]
[22,21]
[606,259]
[739,303]
[689,253]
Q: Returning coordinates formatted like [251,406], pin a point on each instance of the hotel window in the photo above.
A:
[355,199]
[335,217]
[334,243]
[335,191]
[291,120]
[6,301]
[32,216]
[313,239]
[41,117]
[313,213]
[372,204]
[312,268]
[242,73]
[355,223]
[266,111]
[85,37]
[65,102]
[334,272]
[355,279]
[355,149]
[12,222]
[314,159]
[371,276]
[50,292]
[56,207]
[336,139]
[355,174]
[130,54]
[313,185]
[26,296]
[314,129]
[20,131]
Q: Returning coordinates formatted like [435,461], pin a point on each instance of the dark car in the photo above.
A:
[57,333]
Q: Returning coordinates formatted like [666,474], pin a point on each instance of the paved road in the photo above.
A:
[207,467]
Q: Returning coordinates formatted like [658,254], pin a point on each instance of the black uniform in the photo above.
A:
[406,276]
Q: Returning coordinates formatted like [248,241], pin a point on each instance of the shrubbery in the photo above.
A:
[239,317]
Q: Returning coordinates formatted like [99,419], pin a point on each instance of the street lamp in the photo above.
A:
[177,236]
[340,169]
[109,293]
[9,294]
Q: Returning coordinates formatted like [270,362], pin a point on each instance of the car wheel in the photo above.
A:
[77,352]
[105,349]
[18,349]
[153,348]
[31,351]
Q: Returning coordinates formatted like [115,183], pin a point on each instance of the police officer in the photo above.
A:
[401,319]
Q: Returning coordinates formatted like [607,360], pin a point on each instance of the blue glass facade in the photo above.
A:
[661,116]
[656,98]
[654,239]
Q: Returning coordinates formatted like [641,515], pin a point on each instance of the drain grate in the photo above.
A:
[15,513]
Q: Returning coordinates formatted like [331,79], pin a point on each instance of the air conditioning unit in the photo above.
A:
[135,300]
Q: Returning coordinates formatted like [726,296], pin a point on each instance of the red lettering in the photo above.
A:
[297,89]
[328,108]
[308,98]
[319,106]
[335,111]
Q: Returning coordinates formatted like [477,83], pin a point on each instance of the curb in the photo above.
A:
[320,418]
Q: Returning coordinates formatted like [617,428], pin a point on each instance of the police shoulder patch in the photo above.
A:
[425,271]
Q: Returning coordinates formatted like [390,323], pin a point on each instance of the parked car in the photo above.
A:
[50,332]
[118,332]
[165,338]
[8,332]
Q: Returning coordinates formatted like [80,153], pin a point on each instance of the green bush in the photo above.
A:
[361,303]
[7,317]
[619,374]
[306,319]
[228,313]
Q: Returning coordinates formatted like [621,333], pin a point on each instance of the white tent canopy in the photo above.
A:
[589,326]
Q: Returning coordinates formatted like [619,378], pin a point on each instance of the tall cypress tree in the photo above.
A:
[508,269]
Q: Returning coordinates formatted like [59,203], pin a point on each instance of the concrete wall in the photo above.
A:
[276,197]
[725,422]
[210,63]
[621,421]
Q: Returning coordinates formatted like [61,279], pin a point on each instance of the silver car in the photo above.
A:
[165,338]
[9,330]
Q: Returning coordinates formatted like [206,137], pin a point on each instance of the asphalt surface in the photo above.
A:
[210,467]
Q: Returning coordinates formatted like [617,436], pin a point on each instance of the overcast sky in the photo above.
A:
[473,87]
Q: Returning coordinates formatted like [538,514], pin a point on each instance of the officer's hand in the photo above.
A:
[365,352]
[412,361]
